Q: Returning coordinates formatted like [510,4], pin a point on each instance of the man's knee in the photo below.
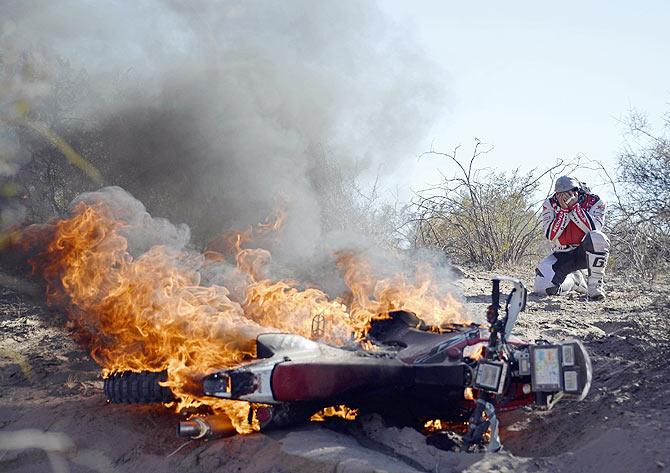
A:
[596,242]
[545,289]
[552,290]
[543,283]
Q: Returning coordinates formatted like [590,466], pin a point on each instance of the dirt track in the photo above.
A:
[48,383]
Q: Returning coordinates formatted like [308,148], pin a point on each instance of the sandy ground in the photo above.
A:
[53,416]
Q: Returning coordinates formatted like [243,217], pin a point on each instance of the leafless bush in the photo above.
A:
[348,205]
[640,218]
[639,246]
[38,95]
[483,217]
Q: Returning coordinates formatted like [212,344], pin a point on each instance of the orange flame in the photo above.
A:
[148,313]
[438,425]
[475,352]
[152,313]
[373,298]
[286,308]
[341,411]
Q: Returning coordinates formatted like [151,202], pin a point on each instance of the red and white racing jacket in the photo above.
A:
[566,228]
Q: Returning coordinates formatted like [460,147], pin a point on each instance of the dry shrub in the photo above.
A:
[482,217]
[640,217]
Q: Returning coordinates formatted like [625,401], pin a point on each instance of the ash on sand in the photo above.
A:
[50,385]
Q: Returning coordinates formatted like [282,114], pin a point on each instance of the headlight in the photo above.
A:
[217,384]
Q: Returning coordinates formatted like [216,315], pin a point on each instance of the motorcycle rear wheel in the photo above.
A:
[137,388]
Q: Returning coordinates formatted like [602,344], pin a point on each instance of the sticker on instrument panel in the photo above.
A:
[570,381]
[568,352]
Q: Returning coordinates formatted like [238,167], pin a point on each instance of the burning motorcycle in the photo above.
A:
[406,371]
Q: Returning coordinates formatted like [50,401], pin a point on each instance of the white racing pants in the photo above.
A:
[551,274]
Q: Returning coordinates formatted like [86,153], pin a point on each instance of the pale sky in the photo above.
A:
[541,80]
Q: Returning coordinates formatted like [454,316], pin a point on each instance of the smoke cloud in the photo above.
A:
[208,111]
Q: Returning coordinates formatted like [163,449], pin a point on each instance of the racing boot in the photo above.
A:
[580,282]
[570,283]
[595,286]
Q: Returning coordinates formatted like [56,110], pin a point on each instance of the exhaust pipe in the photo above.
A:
[206,427]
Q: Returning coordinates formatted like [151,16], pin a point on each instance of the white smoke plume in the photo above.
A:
[207,111]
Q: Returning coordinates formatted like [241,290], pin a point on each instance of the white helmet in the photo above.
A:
[566,183]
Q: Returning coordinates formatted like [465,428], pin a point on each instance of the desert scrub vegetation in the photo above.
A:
[639,220]
[482,217]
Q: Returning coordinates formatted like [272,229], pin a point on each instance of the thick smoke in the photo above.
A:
[208,111]
[140,229]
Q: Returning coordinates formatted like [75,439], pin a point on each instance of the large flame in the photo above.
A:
[372,298]
[152,312]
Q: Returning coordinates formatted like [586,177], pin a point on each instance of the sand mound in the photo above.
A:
[48,384]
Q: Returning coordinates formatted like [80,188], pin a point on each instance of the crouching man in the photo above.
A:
[572,219]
